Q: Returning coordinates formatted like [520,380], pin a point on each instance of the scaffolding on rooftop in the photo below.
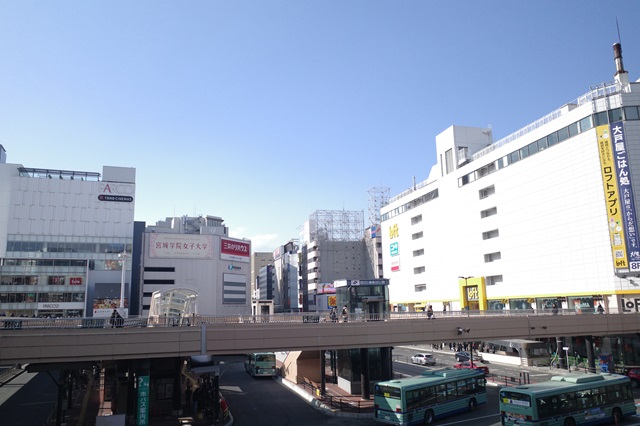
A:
[336,225]
[378,198]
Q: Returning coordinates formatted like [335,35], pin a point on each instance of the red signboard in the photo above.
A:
[235,250]
[75,280]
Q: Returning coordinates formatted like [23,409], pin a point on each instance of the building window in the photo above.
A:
[486,192]
[448,158]
[600,118]
[416,219]
[491,257]
[417,253]
[493,279]
[573,129]
[631,113]
[615,115]
[490,234]
[563,134]
[488,212]
[585,124]
[542,144]
[417,235]
[419,270]
[418,288]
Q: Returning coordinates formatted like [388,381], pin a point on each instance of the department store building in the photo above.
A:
[61,234]
[543,216]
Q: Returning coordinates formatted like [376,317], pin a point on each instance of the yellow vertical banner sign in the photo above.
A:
[612,198]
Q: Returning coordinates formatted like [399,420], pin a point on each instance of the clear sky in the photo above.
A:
[263,111]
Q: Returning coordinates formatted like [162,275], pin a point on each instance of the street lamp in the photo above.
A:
[123,256]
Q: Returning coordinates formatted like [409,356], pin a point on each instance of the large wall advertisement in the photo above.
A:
[236,250]
[190,246]
[629,221]
[618,192]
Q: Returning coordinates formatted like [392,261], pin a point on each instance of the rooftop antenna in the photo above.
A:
[618,28]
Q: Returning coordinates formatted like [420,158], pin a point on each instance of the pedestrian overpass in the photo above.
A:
[35,340]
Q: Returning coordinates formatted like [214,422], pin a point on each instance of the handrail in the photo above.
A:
[12,323]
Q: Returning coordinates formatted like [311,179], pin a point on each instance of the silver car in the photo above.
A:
[423,359]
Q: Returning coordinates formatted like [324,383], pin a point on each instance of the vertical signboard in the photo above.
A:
[143,401]
[627,204]
[612,200]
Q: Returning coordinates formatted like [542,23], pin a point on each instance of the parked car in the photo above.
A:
[634,375]
[477,366]
[466,356]
[423,359]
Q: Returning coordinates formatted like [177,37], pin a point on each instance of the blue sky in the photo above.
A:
[263,111]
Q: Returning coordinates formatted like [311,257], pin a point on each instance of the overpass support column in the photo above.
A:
[591,361]
[364,374]
[387,363]
[177,385]
[323,373]
[560,353]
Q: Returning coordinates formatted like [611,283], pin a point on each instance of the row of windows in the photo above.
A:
[587,123]
[46,265]
[580,400]
[21,297]
[429,196]
[65,247]
[38,279]
[44,262]
[436,394]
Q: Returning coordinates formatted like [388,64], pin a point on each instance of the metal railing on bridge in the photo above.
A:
[12,323]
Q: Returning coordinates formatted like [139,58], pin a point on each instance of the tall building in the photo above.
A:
[196,253]
[61,234]
[259,259]
[286,270]
[543,216]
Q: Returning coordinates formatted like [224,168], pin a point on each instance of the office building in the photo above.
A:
[61,236]
[544,216]
[196,253]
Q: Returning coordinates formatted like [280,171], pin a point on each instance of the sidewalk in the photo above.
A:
[337,402]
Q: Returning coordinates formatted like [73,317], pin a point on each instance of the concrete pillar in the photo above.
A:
[560,352]
[387,363]
[364,373]
[591,361]
[323,373]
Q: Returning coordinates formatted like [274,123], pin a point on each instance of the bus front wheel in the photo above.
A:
[570,422]
[617,416]
[472,404]
[429,417]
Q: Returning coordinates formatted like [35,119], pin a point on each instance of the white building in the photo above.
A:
[543,216]
[196,253]
[61,232]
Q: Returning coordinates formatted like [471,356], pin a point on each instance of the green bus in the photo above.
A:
[260,364]
[432,395]
[574,399]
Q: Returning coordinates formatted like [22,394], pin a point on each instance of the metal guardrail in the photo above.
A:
[13,323]
[351,404]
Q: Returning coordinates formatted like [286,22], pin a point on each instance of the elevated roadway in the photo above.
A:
[72,340]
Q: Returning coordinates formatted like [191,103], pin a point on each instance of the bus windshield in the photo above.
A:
[260,364]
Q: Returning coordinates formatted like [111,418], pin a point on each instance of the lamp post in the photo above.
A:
[465,290]
[467,307]
[123,256]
